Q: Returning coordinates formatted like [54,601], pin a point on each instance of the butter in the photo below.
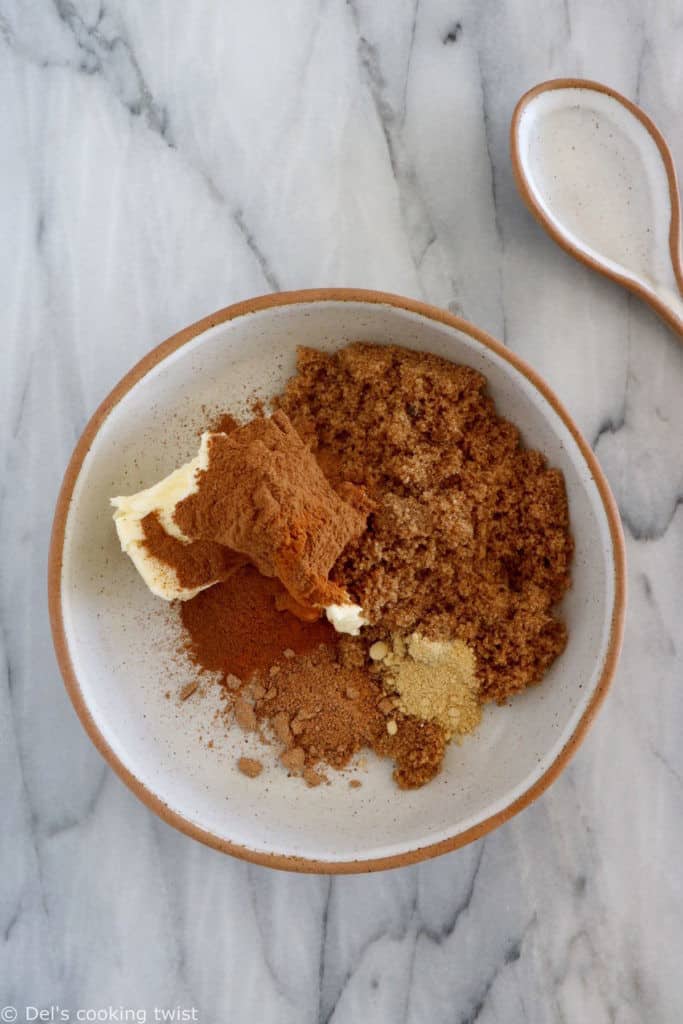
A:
[161,498]
[346,618]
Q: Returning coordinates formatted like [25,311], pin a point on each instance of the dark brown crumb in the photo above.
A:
[418,749]
[294,760]
[250,766]
[245,715]
[188,690]
[313,778]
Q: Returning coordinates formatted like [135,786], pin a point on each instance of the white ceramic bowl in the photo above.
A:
[115,641]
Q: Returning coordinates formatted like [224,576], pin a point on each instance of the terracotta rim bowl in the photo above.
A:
[484,347]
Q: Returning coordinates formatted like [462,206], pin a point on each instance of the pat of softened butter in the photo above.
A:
[162,498]
[346,618]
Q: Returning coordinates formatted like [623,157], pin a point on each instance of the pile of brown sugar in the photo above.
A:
[470,536]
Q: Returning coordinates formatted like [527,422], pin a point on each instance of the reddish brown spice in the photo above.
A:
[197,563]
[224,423]
[264,494]
[235,627]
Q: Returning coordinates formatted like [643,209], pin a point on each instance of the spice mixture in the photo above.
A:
[405,493]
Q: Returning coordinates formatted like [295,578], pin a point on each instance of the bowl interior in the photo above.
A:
[123,642]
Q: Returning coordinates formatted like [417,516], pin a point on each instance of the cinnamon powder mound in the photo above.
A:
[264,495]
[223,423]
[235,627]
[470,536]
[197,563]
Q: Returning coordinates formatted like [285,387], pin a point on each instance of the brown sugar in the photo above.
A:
[470,536]
[250,767]
[244,714]
[417,748]
[235,627]
[264,495]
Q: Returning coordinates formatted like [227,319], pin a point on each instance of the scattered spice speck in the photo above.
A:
[188,690]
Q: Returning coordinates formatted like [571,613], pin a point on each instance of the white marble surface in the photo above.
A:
[162,159]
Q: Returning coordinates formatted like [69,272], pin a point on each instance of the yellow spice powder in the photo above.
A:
[433,680]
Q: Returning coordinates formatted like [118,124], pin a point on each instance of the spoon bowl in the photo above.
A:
[596,172]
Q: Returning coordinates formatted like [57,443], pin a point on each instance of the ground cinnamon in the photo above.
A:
[235,627]
[264,495]
[197,563]
[222,423]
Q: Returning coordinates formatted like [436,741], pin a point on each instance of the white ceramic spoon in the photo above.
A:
[597,174]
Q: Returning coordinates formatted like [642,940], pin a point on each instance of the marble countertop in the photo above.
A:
[163,159]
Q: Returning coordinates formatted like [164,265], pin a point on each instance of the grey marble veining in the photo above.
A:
[162,159]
